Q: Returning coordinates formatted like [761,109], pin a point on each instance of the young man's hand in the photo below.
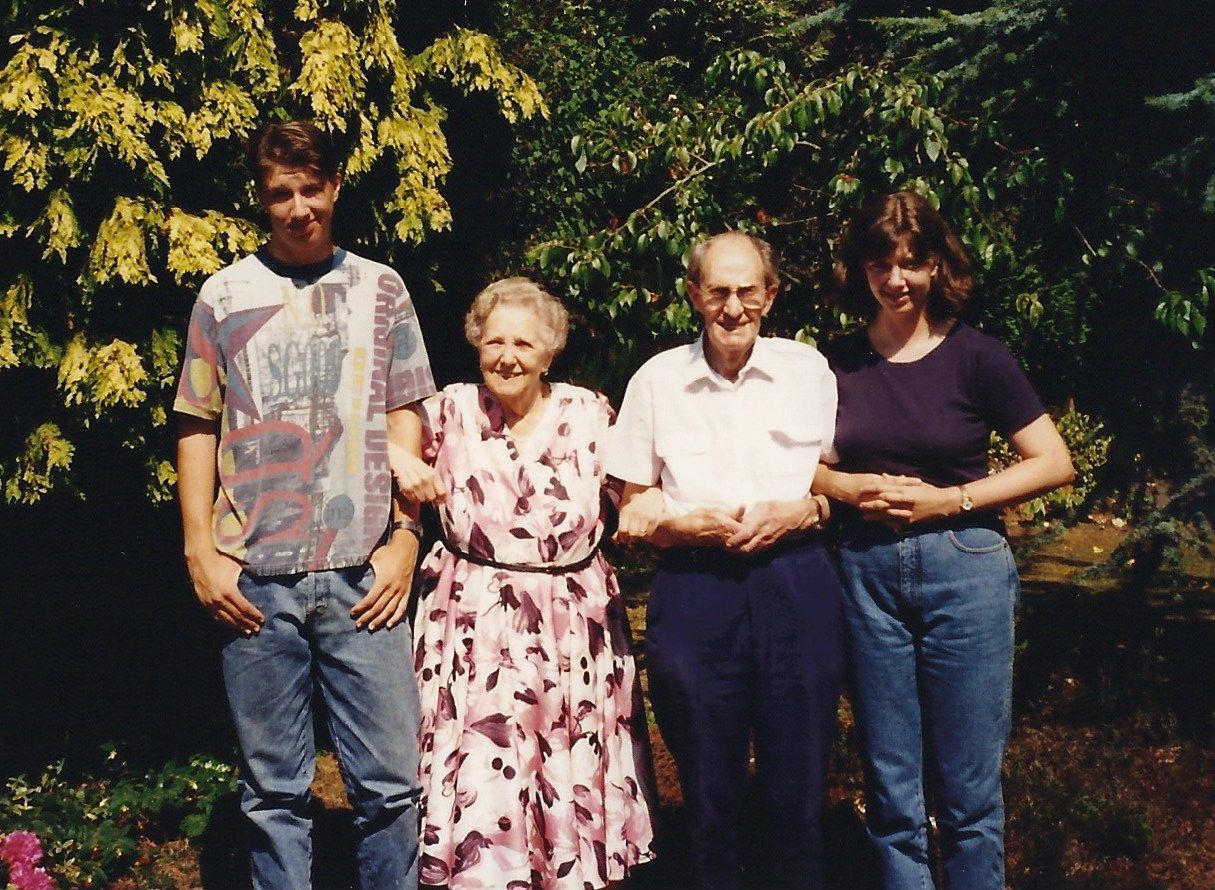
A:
[393,564]
[214,576]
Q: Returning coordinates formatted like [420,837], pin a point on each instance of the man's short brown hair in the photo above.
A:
[293,144]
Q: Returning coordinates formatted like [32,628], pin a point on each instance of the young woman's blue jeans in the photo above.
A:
[371,697]
[930,621]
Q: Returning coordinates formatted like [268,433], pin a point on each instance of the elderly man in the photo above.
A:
[717,442]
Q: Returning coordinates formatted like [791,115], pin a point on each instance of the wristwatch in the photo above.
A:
[820,517]
[967,504]
[404,522]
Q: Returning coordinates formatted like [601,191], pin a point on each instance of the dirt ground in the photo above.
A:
[1109,778]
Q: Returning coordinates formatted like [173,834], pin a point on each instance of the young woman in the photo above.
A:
[930,581]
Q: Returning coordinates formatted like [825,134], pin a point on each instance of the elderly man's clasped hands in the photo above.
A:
[744,530]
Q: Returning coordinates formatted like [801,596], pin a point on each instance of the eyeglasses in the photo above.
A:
[751,296]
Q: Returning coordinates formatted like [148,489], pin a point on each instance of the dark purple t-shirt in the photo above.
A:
[929,418]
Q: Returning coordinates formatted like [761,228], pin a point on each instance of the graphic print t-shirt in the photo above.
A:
[300,373]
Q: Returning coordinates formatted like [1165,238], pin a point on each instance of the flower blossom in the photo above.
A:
[20,847]
[25,876]
[21,850]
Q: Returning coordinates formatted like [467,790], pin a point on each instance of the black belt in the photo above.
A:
[475,559]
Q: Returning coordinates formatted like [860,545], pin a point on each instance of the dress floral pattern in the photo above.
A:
[527,768]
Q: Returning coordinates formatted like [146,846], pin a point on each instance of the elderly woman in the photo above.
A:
[929,578]
[527,757]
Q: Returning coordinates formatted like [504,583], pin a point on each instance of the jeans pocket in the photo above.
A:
[976,540]
[360,579]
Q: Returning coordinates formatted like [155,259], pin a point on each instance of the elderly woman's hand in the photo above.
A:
[640,516]
[417,480]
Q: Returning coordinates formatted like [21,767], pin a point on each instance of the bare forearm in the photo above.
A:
[644,517]
[196,479]
[899,500]
[1020,482]
[404,433]
[836,485]
[1045,465]
[678,531]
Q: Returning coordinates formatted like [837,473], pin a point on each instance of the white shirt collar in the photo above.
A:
[699,369]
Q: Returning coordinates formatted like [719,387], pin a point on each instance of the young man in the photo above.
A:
[298,364]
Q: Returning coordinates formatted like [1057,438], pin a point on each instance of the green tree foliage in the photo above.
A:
[1119,236]
[768,121]
[1074,157]
[121,126]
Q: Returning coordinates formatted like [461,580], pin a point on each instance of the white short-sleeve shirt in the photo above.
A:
[708,441]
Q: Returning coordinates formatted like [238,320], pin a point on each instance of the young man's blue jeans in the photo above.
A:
[930,620]
[309,640]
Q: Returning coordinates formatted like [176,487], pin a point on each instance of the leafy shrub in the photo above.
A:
[1113,826]
[90,828]
[1089,450]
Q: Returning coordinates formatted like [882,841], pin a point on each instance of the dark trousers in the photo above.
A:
[743,650]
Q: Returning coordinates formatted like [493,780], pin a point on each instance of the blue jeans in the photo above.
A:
[930,621]
[371,695]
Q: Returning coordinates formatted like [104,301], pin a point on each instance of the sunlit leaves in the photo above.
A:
[14,323]
[331,77]
[224,110]
[124,183]
[27,162]
[203,244]
[58,227]
[105,115]
[473,61]
[121,246]
[42,462]
[25,89]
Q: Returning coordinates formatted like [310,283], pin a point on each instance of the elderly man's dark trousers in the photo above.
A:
[744,651]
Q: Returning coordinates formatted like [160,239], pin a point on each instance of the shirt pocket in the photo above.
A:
[792,454]
[687,461]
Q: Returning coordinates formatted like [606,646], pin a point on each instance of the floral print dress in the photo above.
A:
[528,776]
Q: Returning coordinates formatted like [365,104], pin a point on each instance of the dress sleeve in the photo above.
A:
[1008,398]
[409,374]
[630,455]
[200,391]
[603,416]
[435,412]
